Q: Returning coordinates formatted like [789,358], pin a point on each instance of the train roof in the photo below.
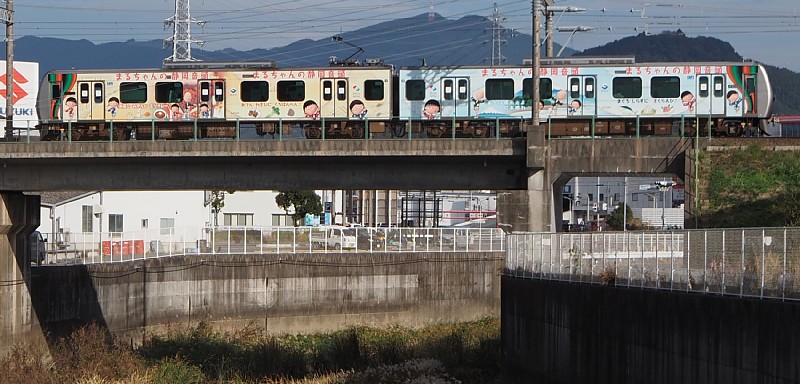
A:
[590,62]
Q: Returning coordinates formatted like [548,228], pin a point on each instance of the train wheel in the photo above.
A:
[357,132]
[313,132]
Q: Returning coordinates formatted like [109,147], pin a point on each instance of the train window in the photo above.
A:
[55,91]
[133,92]
[341,90]
[205,91]
[294,90]
[415,90]
[589,87]
[219,93]
[627,87]
[574,88]
[84,93]
[545,88]
[254,91]
[719,90]
[665,87]
[169,92]
[373,89]
[463,89]
[703,92]
[327,90]
[98,93]
[448,89]
[499,89]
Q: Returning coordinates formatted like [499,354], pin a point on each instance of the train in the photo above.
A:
[577,97]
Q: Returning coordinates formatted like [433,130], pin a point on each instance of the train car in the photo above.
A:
[212,100]
[590,97]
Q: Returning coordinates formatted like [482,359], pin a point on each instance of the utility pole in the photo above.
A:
[7,15]
[497,39]
[536,63]
[181,38]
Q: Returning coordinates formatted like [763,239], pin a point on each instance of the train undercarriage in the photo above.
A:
[315,130]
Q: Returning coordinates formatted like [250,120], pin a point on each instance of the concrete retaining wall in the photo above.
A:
[283,293]
[555,332]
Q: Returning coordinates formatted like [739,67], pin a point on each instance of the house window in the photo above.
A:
[167,226]
[87,218]
[115,223]
[144,223]
[238,219]
[281,220]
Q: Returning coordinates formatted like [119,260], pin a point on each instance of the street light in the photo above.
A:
[663,186]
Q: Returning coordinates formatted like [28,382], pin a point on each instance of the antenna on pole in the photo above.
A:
[181,33]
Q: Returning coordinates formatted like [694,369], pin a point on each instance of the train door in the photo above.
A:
[710,95]
[455,97]
[90,104]
[212,99]
[334,98]
[582,100]
[750,103]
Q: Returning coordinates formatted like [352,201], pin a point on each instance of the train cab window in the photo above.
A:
[205,91]
[448,89]
[169,92]
[665,87]
[719,89]
[219,91]
[415,90]
[254,91]
[84,93]
[703,91]
[327,90]
[463,89]
[55,91]
[373,89]
[291,90]
[588,87]
[98,93]
[499,89]
[133,92]
[341,90]
[627,87]
[574,88]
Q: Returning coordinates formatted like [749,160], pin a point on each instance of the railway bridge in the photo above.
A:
[528,174]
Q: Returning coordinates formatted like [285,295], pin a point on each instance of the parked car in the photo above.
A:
[38,249]
[333,237]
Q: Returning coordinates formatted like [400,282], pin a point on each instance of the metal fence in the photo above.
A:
[741,262]
[87,248]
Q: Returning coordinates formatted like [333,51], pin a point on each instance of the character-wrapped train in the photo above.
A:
[577,97]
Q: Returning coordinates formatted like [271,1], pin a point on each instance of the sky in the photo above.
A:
[766,31]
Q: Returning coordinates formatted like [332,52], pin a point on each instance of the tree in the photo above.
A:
[616,219]
[303,202]
[217,203]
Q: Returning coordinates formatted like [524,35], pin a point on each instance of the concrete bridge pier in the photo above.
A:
[19,216]
[533,209]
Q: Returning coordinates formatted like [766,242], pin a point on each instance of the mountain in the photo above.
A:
[675,46]
[400,42]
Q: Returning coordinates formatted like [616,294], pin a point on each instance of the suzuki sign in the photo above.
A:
[26,86]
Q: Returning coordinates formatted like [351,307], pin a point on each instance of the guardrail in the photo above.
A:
[758,262]
[88,248]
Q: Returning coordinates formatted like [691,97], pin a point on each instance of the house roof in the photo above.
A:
[60,197]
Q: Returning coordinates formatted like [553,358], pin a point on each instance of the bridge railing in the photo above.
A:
[88,248]
[753,262]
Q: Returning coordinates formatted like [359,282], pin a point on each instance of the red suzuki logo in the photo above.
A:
[19,93]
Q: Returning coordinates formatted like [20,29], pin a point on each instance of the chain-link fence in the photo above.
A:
[86,248]
[743,262]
